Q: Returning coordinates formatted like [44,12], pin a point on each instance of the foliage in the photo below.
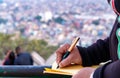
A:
[39,46]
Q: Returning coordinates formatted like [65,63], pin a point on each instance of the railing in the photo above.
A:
[27,71]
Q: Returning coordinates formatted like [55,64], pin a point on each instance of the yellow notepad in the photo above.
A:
[69,70]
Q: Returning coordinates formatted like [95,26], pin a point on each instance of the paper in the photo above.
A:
[69,70]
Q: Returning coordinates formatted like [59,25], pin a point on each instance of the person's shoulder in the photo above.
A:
[26,54]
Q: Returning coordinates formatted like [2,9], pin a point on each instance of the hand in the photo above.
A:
[74,56]
[84,73]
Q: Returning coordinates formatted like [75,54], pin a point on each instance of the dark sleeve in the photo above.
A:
[7,62]
[109,70]
[112,70]
[99,72]
[96,53]
[31,60]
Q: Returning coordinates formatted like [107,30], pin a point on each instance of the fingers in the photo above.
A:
[61,51]
[66,62]
[59,57]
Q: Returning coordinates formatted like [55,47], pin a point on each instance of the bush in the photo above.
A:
[39,46]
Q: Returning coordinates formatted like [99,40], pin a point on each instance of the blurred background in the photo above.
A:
[41,26]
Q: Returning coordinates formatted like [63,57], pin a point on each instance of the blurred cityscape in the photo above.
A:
[57,21]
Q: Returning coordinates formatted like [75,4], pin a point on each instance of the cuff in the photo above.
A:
[99,72]
[85,56]
[91,76]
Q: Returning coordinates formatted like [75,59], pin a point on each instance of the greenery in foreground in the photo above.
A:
[40,46]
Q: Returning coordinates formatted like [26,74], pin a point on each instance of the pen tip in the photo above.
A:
[57,66]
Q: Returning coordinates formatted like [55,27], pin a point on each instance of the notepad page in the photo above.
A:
[69,70]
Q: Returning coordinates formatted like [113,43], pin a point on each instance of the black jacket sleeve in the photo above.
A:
[96,53]
[112,70]
[109,70]
[99,72]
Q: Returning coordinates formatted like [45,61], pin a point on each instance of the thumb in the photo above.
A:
[65,62]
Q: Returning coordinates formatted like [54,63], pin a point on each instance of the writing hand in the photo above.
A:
[74,56]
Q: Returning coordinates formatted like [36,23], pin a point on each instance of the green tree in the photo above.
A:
[40,46]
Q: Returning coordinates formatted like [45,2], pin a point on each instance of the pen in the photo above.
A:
[70,49]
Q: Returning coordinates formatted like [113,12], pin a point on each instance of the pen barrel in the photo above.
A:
[66,55]
[73,44]
[70,49]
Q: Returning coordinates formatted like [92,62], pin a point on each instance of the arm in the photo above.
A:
[31,59]
[110,70]
[96,53]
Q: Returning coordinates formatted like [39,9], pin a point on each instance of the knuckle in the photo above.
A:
[57,52]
